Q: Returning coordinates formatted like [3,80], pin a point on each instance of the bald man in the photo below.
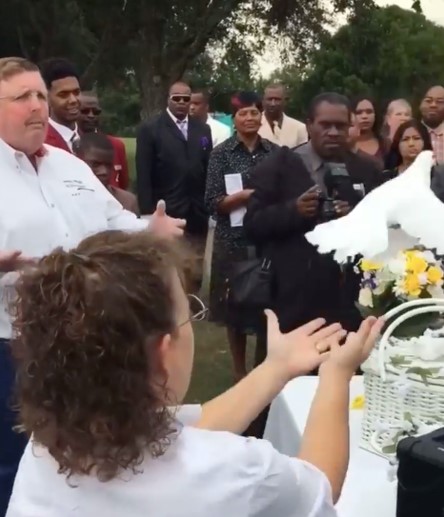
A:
[172,156]
[276,126]
[432,112]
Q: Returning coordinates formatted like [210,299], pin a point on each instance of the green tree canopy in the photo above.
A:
[159,40]
[388,52]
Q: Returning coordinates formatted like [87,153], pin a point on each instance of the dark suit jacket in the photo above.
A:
[174,169]
[306,284]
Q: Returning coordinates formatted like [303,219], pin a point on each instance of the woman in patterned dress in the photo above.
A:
[237,155]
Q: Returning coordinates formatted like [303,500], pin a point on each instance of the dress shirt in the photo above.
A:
[291,133]
[219,131]
[437,137]
[202,473]
[69,135]
[182,125]
[59,205]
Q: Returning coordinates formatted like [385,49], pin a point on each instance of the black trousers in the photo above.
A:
[257,427]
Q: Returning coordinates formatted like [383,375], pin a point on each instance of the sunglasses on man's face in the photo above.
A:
[88,111]
[179,98]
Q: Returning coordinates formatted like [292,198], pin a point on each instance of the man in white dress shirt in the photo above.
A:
[49,198]
[199,108]
[276,125]
[62,82]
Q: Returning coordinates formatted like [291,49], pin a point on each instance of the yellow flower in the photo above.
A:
[367,266]
[358,402]
[415,264]
[434,275]
[412,286]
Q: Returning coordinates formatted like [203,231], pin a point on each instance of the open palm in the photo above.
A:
[302,350]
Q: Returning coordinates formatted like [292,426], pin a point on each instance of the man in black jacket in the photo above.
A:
[290,187]
[172,156]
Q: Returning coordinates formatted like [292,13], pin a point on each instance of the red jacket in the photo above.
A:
[54,138]
[121,176]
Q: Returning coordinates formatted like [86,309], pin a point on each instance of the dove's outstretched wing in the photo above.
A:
[406,202]
[422,218]
[363,231]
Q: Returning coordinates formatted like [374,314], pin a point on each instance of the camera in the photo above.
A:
[338,186]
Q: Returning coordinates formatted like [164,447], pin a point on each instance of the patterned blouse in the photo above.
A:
[231,157]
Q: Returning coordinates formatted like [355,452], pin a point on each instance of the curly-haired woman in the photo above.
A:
[104,348]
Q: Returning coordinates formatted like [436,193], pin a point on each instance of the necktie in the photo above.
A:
[74,140]
[183,126]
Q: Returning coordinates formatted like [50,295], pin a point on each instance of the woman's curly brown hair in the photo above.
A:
[84,321]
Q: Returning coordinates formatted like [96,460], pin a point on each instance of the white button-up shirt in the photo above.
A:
[59,205]
[202,473]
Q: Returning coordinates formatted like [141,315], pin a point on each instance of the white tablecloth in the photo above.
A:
[367,490]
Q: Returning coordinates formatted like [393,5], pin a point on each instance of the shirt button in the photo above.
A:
[52,205]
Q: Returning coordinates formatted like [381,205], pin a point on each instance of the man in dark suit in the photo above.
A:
[172,156]
[291,187]
[62,81]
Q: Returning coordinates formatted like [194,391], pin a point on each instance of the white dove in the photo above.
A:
[399,214]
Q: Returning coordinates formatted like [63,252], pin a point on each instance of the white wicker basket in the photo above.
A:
[399,401]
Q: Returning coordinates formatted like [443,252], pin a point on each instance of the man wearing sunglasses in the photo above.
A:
[89,122]
[172,156]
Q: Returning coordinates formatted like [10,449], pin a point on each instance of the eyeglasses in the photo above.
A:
[198,311]
[26,96]
[178,98]
[95,111]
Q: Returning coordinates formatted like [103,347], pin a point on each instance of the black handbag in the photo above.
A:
[249,285]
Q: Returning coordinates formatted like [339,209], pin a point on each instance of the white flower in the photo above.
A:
[429,256]
[398,288]
[435,291]
[365,297]
[397,266]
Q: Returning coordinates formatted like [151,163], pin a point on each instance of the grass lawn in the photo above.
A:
[130,146]
[212,365]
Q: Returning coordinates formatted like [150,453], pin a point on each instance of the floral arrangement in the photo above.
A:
[412,274]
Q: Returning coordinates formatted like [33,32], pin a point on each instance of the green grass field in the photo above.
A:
[212,366]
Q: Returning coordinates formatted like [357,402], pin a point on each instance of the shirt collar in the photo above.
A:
[11,155]
[175,119]
[66,133]
[262,142]
[437,130]
[265,120]
[316,161]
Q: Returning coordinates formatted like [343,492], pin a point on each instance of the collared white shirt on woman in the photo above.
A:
[58,205]
[203,473]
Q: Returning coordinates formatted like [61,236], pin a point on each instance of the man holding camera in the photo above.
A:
[294,190]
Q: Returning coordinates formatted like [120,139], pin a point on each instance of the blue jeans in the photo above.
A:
[12,444]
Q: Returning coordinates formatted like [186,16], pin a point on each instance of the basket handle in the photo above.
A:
[431,305]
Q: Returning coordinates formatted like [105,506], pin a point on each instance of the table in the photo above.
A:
[367,491]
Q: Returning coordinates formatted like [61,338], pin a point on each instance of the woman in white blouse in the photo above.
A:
[105,348]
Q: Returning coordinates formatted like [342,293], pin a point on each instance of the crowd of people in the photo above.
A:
[98,293]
